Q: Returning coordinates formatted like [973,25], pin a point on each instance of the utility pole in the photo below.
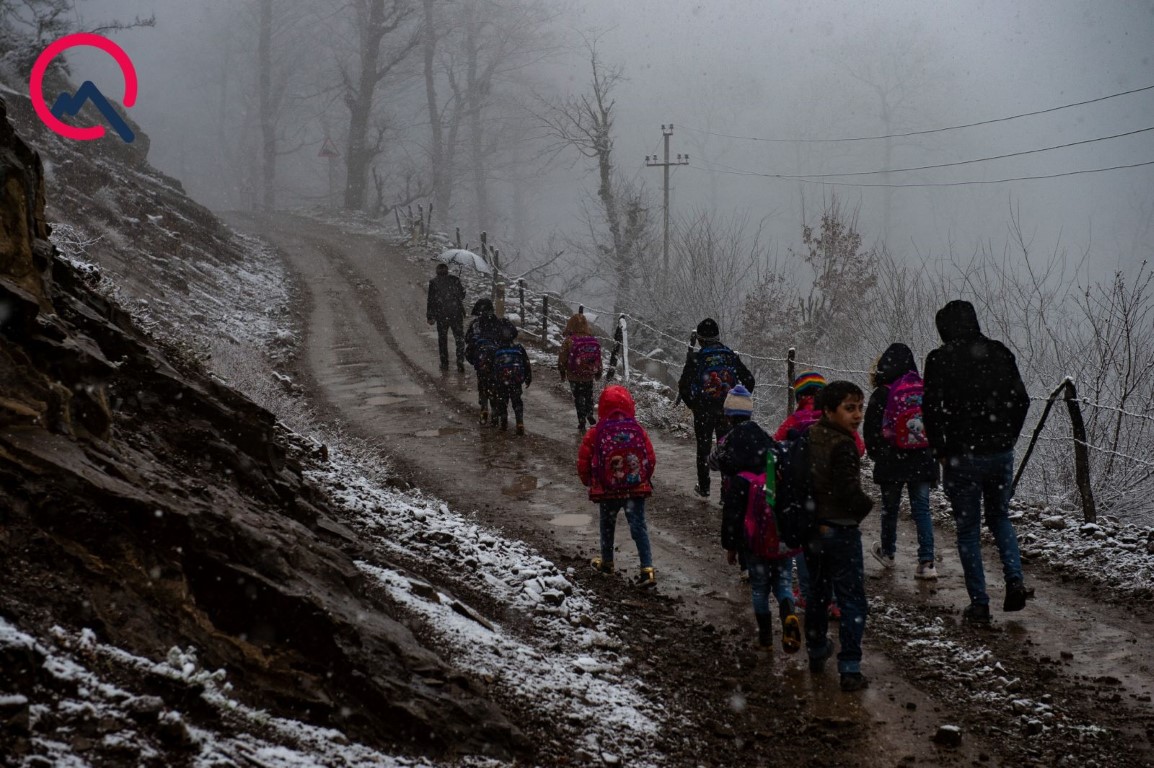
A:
[651,160]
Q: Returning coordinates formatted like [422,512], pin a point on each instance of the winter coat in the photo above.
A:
[577,326]
[689,375]
[743,449]
[805,416]
[490,327]
[835,468]
[615,403]
[446,299]
[974,401]
[893,464]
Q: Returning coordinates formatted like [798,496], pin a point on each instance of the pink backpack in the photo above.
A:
[902,425]
[584,357]
[620,460]
[761,535]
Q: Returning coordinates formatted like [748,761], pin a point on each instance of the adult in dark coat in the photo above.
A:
[707,404]
[974,406]
[895,467]
[446,308]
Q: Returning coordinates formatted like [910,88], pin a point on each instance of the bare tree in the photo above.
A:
[378,23]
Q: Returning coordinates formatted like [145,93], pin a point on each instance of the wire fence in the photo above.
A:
[1113,476]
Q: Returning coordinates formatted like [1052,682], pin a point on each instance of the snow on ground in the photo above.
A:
[563,664]
[971,672]
[86,705]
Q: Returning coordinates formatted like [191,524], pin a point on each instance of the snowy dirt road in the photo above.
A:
[1068,681]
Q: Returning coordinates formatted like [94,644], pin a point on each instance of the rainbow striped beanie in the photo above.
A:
[808,384]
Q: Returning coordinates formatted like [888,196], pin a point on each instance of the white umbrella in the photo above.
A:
[467,259]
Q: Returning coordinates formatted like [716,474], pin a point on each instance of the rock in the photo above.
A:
[425,591]
[948,736]
[1034,727]
[1055,523]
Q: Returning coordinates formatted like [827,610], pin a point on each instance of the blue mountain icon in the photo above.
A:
[69,104]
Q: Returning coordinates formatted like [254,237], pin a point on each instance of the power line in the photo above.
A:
[964,162]
[924,184]
[926,131]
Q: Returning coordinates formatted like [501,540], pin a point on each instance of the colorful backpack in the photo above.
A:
[584,357]
[716,375]
[482,355]
[791,495]
[508,367]
[902,424]
[620,460]
[761,534]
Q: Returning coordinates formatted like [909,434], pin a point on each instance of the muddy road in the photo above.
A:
[1067,681]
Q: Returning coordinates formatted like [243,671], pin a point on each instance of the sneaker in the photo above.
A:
[1016,596]
[700,491]
[854,681]
[886,560]
[926,570]
[817,663]
[521,428]
[484,417]
[976,615]
[604,566]
[790,633]
[647,578]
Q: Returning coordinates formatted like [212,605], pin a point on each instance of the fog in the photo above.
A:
[714,70]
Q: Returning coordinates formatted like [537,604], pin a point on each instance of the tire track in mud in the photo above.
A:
[879,725]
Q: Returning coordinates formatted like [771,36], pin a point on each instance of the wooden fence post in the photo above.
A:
[790,372]
[624,348]
[521,295]
[1081,455]
[458,238]
[545,321]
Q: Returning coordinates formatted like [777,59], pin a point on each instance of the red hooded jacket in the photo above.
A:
[615,403]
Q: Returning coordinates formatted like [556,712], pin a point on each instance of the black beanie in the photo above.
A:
[707,329]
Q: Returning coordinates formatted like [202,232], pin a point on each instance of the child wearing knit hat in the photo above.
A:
[740,454]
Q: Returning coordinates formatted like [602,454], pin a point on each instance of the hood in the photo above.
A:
[578,325]
[483,307]
[615,399]
[896,361]
[957,321]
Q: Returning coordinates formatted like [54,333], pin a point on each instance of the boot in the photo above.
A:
[764,631]
[504,423]
[521,428]
[790,628]
[647,579]
[484,417]
[604,566]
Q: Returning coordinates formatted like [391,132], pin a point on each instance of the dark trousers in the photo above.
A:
[583,400]
[505,395]
[456,325]
[836,571]
[486,397]
[706,425]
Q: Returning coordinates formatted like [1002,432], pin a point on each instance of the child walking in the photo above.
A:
[511,370]
[741,458]
[895,437]
[579,362]
[834,555]
[616,462]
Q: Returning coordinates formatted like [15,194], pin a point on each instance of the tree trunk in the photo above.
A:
[441,185]
[265,102]
[476,126]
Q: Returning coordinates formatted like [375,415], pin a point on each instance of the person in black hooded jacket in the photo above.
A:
[896,466]
[481,341]
[974,406]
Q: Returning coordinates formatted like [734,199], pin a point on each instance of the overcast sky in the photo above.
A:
[814,70]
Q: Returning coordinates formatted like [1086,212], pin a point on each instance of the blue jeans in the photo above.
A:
[635,515]
[836,569]
[919,510]
[765,574]
[968,480]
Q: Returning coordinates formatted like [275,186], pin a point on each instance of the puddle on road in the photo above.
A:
[521,484]
[438,432]
[572,521]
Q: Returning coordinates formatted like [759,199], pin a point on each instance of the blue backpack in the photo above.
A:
[508,367]
[792,497]
[716,375]
[481,355]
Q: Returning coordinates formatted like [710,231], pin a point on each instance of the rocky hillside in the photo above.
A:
[150,509]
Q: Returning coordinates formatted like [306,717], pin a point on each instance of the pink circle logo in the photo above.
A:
[70,104]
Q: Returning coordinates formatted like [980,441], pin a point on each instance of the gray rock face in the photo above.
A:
[159,508]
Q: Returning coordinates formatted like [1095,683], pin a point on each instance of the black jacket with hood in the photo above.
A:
[975,401]
[893,464]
